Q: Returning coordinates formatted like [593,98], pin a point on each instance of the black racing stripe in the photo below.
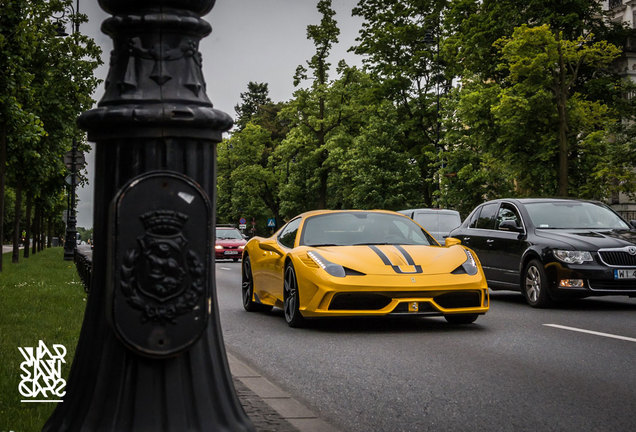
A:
[407,256]
[383,257]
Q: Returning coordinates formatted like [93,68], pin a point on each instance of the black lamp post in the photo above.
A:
[72,158]
[150,356]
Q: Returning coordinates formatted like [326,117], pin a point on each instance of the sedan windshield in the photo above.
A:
[362,228]
[228,234]
[573,215]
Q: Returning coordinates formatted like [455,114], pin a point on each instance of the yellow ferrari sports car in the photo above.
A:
[361,263]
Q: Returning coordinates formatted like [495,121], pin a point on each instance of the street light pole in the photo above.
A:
[151,356]
[70,238]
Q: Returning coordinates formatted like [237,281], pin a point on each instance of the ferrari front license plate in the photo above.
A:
[625,274]
[414,307]
[231,252]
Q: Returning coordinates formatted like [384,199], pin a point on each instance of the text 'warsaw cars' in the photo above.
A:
[361,263]
[551,249]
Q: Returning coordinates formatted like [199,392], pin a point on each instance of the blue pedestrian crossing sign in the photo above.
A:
[271,223]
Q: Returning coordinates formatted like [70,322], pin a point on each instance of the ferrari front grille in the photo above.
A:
[456,300]
[359,301]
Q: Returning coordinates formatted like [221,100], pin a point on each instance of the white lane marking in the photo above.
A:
[608,335]
[225,268]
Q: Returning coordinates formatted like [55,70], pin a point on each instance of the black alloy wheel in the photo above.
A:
[247,288]
[291,300]
[461,318]
[534,285]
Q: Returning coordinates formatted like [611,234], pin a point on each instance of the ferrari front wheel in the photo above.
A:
[291,299]
[461,318]
[247,288]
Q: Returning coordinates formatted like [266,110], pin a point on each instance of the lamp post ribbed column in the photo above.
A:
[150,355]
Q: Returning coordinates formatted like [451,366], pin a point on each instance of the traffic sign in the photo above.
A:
[242,226]
[80,160]
[271,223]
[242,221]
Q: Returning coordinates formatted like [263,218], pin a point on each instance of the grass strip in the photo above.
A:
[41,298]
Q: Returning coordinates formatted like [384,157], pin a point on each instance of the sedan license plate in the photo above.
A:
[231,252]
[625,274]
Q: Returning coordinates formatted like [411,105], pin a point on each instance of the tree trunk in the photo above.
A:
[562,99]
[27,224]
[49,229]
[41,236]
[15,256]
[3,163]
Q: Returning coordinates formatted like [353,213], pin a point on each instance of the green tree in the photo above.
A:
[248,174]
[403,43]
[37,118]
[542,69]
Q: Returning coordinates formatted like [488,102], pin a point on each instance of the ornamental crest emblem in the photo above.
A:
[162,277]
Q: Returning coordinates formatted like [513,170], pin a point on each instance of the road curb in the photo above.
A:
[290,409]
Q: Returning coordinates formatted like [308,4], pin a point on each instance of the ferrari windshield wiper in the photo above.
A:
[323,244]
[374,244]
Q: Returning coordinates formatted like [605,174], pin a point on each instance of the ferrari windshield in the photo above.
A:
[362,228]
[573,215]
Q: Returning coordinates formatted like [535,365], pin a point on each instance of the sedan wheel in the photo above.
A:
[247,288]
[535,285]
[291,299]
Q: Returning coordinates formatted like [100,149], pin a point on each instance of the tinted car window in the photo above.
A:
[573,214]
[507,212]
[288,235]
[474,217]
[487,216]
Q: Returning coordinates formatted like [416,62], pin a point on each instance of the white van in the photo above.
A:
[438,222]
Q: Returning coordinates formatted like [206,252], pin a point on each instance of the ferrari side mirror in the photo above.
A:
[452,241]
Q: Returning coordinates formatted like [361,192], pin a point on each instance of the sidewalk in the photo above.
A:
[270,408]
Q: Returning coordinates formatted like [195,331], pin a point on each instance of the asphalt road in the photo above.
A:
[510,371]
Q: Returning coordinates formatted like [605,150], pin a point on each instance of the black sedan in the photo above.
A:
[551,249]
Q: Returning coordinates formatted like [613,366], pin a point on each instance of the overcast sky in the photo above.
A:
[251,40]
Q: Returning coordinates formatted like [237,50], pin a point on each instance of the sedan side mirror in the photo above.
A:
[510,225]
[633,222]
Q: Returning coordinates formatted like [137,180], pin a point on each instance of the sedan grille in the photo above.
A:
[613,285]
[617,258]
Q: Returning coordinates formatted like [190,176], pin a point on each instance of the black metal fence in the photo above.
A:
[84,265]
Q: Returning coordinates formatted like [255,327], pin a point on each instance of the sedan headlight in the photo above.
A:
[218,247]
[572,257]
[332,268]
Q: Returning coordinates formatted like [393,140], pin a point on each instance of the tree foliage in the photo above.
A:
[45,83]
[458,101]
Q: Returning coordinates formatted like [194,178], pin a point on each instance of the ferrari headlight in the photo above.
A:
[572,257]
[332,268]
[469,266]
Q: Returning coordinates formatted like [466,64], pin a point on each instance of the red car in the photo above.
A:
[229,243]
